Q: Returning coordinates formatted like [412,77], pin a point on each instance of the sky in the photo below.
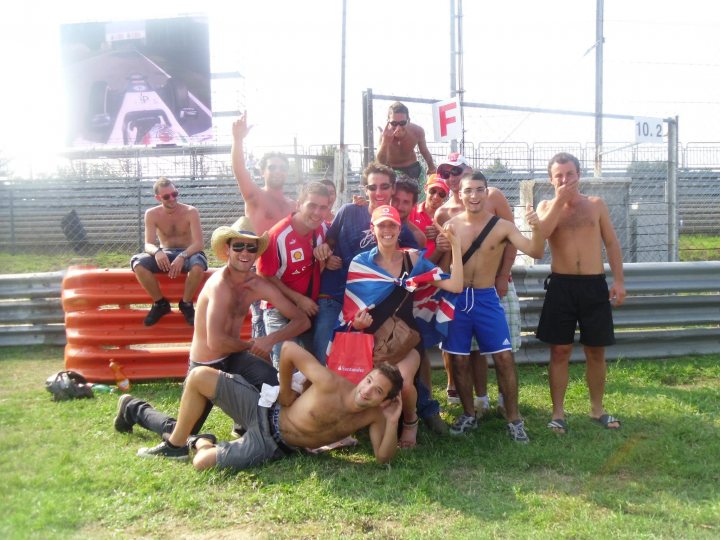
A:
[661,59]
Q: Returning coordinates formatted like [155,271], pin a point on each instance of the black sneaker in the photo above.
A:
[159,308]
[188,311]
[165,450]
[121,423]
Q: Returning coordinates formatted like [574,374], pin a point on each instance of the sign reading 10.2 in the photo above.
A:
[648,130]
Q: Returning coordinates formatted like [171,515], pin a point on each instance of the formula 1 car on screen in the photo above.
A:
[141,114]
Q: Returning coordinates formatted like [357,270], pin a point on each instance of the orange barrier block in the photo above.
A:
[100,326]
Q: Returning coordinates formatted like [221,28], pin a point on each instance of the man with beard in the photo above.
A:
[177,226]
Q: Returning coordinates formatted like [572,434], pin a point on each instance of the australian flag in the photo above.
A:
[368,284]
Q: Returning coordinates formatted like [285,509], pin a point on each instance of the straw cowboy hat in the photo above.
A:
[242,229]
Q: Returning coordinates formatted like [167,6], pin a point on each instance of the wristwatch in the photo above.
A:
[184,255]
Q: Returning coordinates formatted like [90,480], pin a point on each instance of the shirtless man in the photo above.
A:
[497,204]
[398,142]
[221,311]
[264,206]
[477,311]
[328,410]
[177,226]
[577,227]
[267,205]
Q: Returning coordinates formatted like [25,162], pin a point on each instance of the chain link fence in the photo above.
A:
[641,201]
[97,202]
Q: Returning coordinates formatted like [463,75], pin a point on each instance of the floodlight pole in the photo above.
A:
[599,40]
[453,63]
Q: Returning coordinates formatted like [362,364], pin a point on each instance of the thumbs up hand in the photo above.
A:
[531,217]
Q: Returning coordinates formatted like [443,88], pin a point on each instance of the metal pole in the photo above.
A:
[453,63]
[461,78]
[342,76]
[599,40]
[672,189]
[340,182]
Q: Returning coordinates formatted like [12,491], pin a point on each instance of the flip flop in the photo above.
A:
[558,425]
[605,420]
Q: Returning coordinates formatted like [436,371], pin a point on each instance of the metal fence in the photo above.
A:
[671,310]
[97,204]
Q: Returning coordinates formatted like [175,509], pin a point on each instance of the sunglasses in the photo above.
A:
[168,196]
[396,123]
[242,246]
[381,187]
[440,192]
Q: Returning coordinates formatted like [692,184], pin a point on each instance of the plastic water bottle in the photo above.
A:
[101,388]
[123,383]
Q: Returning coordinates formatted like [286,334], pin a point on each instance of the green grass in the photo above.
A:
[699,247]
[67,474]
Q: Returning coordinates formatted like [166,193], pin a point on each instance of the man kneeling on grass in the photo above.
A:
[279,424]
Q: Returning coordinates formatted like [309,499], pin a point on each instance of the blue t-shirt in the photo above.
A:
[351,232]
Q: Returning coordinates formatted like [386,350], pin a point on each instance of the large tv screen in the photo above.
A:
[131,83]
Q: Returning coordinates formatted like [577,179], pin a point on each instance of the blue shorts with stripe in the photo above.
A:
[478,313]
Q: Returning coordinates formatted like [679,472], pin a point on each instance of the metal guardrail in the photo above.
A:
[30,309]
[672,309]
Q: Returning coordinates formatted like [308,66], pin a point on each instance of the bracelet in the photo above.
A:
[156,251]
[184,255]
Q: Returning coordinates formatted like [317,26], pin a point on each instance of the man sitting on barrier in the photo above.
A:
[221,310]
[279,422]
[177,225]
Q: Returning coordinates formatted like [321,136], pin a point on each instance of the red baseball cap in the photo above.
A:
[385,213]
[436,180]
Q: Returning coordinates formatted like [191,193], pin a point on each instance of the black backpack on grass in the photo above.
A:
[65,385]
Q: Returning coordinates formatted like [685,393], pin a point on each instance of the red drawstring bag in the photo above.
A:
[351,355]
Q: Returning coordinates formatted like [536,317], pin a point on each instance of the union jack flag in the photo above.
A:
[368,284]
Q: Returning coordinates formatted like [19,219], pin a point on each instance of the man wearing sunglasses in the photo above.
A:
[423,215]
[221,310]
[177,226]
[398,142]
[349,235]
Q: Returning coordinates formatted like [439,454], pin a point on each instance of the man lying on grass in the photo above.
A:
[328,410]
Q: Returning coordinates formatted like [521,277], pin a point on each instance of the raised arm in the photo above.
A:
[535,246]
[249,190]
[614,254]
[383,431]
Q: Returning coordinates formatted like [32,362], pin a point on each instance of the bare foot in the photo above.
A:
[409,434]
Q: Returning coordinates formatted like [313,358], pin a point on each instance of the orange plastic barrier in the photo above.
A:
[101,326]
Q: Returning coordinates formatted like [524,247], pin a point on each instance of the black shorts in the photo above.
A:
[572,301]
[413,171]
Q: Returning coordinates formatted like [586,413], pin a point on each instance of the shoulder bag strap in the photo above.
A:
[480,238]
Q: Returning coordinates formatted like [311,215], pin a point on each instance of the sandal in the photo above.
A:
[605,420]
[558,425]
[409,434]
